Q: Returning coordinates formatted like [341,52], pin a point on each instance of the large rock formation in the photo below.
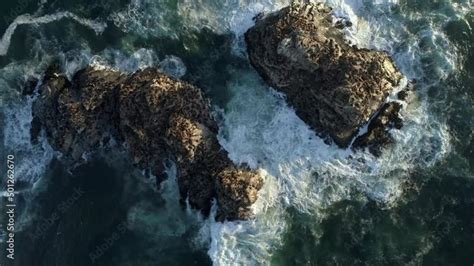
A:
[334,87]
[156,118]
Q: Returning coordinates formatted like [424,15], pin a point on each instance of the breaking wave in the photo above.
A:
[28,19]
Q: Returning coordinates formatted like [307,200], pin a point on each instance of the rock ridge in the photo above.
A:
[156,118]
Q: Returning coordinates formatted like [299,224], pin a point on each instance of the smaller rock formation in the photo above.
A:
[156,118]
[334,87]
[29,87]
[378,134]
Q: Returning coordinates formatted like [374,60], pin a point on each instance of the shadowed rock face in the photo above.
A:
[333,86]
[156,118]
[377,135]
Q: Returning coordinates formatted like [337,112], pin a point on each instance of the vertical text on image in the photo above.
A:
[10,207]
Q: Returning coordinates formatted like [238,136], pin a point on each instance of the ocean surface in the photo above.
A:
[320,205]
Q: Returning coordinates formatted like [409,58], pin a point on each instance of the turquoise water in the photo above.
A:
[320,205]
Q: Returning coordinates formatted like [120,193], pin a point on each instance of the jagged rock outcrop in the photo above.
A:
[334,87]
[78,116]
[156,117]
[378,134]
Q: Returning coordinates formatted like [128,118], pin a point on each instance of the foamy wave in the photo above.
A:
[117,60]
[375,26]
[173,66]
[32,160]
[158,18]
[251,242]
[28,19]
[303,172]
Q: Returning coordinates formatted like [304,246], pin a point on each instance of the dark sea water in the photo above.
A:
[320,205]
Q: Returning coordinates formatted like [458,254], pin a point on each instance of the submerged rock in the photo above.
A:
[334,87]
[157,118]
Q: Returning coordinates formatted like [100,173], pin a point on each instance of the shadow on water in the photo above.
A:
[80,218]
[65,212]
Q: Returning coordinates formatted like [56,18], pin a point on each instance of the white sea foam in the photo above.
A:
[303,171]
[31,160]
[27,19]
[158,18]
[173,66]
[117,60]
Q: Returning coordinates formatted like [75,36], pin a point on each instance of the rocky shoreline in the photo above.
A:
[335,87]
[156,118]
